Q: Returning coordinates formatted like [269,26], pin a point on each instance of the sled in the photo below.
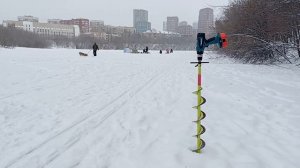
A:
[83,54]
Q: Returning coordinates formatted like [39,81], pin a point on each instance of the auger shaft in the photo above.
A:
[200,142]
[200,114]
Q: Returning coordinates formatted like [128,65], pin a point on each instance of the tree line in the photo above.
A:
[262,31]
[12,37]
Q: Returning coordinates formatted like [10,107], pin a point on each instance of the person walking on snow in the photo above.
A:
[95,48]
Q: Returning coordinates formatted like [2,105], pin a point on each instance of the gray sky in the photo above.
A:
[112,12]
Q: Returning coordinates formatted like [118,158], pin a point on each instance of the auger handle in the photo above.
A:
[197,63]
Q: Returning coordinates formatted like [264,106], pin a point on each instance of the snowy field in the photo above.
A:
[116,110]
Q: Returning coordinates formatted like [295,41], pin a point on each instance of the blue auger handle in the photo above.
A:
[202,42]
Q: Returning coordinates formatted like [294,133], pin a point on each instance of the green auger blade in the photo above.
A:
[202,146]
[196,150]
[203,115]
[197,92]
[203,100]
[196,107]
[203,129]
[196,121]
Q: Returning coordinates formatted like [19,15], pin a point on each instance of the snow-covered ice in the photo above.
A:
[60,110]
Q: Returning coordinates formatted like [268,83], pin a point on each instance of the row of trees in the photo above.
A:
[262,31]
[12,37]
[134,41]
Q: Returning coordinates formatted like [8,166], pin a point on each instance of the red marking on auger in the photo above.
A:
[199,80]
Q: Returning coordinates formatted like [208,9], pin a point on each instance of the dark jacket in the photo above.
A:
[95,47]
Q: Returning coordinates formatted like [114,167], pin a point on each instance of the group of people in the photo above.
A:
[146,50]
[167,51]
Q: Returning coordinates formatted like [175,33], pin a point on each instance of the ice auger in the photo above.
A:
[220,40]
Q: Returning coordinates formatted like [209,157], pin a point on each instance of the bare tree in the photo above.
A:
[261,31]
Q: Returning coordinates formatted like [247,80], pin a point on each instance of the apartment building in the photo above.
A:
[96,25]
[84,24]
[47,29]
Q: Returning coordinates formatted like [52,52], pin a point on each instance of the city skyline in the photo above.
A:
[106,11]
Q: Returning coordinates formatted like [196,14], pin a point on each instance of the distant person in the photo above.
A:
[95,48]
[167,51]
[146,50]
[160,51]
[171,51]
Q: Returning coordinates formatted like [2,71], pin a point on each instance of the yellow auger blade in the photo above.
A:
[203,129]
[202,116]
[197,92]
[196,107]
[201,147]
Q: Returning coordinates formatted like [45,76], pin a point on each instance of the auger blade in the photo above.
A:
[201,147]
[203,100]
[196,107]
[203,115]
[197,92]
[203,129]
[196,121]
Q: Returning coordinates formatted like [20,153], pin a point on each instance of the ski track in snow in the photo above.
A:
[121,110]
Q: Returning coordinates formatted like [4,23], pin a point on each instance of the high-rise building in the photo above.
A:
[172,23]
[139,15]
[140,20]
[206,21]
[142,26]
[28,18]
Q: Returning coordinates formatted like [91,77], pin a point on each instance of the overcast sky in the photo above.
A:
[112,12]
